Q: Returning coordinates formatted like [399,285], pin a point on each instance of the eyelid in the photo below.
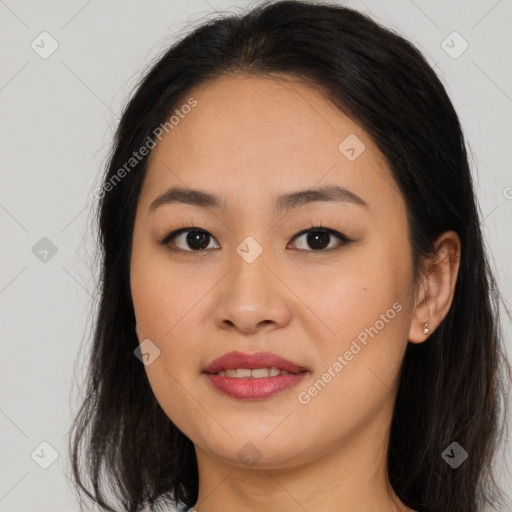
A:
[173,234]
[343,239]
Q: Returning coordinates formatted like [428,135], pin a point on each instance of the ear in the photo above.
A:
[435,291]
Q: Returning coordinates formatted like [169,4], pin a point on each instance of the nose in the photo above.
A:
[251,298]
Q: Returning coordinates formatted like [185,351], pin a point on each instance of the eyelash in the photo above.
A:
[315,229]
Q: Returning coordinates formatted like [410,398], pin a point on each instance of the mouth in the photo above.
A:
[253,376]
[256,365]
[255,373]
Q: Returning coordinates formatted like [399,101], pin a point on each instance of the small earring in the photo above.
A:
[426,330]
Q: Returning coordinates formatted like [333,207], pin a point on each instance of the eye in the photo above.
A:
[320,238]
[196,239]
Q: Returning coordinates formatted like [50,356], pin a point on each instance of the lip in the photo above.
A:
[233,360]
[253,388]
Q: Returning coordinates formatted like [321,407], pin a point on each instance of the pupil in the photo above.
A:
[197,237]
[316,238]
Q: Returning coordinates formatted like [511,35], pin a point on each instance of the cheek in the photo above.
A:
[365,306]
[360,365]
[352,295]
[161,293]
[166,301]
[161,302]
[370,321]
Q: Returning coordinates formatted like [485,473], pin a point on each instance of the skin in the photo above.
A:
[249,140]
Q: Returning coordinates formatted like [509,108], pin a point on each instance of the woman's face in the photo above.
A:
[338,309]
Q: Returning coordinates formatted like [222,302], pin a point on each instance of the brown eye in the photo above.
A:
[319,239]
[189,239]
[316,239]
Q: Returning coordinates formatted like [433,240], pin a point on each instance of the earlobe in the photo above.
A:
[438,287]
[421,324]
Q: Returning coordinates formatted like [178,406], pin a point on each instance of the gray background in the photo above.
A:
[58,117]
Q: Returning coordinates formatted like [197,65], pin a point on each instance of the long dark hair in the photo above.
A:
[452,387]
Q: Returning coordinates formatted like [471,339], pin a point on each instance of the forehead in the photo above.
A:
[253,136]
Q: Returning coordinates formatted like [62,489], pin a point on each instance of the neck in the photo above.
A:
[347,478]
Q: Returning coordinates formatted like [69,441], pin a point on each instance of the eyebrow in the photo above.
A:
[288,201]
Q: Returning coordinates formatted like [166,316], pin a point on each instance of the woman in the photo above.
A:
[297,312]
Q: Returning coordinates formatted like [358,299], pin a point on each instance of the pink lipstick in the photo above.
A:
[253,376]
